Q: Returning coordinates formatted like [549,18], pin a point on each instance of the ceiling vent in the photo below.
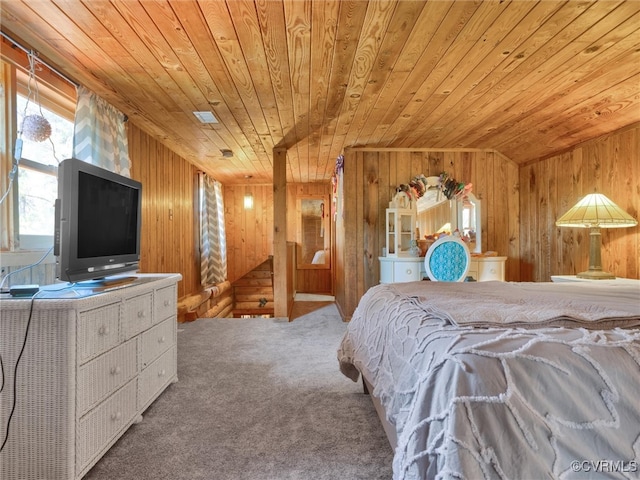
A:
[226,153]
[205,117]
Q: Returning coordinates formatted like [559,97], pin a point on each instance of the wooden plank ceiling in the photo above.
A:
[528,79]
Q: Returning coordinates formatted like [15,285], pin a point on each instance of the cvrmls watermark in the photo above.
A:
[605,466]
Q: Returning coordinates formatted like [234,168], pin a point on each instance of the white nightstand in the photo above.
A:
[573,278]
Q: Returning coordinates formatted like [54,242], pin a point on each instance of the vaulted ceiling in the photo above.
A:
[528,79]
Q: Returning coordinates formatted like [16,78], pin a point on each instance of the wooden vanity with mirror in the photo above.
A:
[436,214]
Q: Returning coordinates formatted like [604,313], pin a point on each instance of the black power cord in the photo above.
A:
[15,375]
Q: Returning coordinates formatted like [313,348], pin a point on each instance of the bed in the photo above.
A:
[502,380]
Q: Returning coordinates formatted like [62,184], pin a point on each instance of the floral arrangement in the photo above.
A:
[452,188]
[416,188]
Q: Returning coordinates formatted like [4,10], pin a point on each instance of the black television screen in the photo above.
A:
[107,217]
[98,222]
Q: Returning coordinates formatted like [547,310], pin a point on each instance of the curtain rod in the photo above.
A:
[34,53]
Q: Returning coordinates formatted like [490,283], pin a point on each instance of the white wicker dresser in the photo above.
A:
[92,363]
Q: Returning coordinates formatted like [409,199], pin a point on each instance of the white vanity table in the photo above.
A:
[411,269]
[433,213]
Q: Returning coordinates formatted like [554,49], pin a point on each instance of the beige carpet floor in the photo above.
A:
[257,399]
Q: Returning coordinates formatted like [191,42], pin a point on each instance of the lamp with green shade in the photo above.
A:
[596,211]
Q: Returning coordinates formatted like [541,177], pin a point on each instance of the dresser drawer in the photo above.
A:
[165,303]
[98,331]
[102,376]
[155,377]
[156,340]
[96,429]
[138,315]
[486,269]
[406,271]
[491,270]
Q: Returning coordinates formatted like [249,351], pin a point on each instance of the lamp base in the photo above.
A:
[595,264]
[596,275]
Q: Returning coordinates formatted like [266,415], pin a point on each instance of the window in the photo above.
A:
[35,186]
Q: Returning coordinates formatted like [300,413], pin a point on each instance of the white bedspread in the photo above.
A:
[503,401]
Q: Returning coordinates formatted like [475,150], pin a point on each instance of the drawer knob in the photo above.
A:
[409,271]
[116,370]
[116,416]
[161,373]
[493,270]
[141,314]
[167,303]
[103,330]
[161,340]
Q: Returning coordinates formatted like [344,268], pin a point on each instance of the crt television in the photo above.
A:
[97,227]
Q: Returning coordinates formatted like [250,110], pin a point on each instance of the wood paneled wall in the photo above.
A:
[549,187]
[249,231]
[169,242]
[519,208]
[169,237]
[370,179]
[169,216]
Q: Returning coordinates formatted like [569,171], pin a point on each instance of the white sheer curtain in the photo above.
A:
[213,243]
[100,134]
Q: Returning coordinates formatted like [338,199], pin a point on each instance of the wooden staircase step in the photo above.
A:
[253,293]
[238,312]
[253,289]
[254,297]
[252,282]
[253,306]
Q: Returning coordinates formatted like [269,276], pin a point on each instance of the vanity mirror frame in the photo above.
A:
[325,228]
[456,214]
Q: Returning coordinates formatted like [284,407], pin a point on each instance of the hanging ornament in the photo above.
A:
[36,128]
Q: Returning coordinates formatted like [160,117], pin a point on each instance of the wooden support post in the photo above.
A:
[280,295]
